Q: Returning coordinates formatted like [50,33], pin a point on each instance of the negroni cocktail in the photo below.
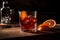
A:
[28,21]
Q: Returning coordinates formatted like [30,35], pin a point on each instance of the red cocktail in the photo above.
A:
[28,21]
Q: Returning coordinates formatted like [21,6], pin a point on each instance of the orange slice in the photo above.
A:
[42,27]
[51,23]
[23,15]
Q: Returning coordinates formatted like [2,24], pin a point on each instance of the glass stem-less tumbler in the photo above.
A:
[28,21]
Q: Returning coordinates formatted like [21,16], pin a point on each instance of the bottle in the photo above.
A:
[12,15]
[5,13]
[0,14]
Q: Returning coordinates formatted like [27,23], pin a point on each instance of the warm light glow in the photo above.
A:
[39,28]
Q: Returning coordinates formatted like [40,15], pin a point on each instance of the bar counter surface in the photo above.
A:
[16,32]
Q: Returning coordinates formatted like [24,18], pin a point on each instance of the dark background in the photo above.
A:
[46,9]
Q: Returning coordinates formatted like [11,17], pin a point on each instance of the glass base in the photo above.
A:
[30,31]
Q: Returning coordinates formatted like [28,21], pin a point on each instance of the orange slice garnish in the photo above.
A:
[23,15]
[42,27]
[51,23]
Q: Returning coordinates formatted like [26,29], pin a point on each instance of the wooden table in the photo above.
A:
[8,25]
[16,32]
[3,24]
[13,32]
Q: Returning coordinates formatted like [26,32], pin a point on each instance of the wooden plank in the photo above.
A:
[16,32]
